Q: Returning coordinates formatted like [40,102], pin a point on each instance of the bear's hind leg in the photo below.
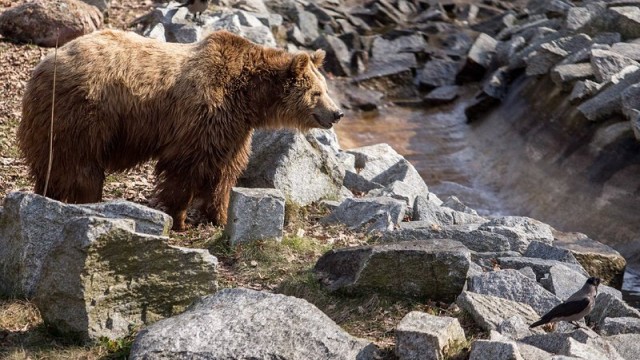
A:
[79,186]
[216,197]
[176,193]
[88,187]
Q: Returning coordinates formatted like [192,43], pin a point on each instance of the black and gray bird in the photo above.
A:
[575,307]
[196,7]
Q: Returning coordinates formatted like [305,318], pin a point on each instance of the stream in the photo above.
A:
[530,156]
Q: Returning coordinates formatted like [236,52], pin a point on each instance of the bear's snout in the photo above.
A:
[337,116]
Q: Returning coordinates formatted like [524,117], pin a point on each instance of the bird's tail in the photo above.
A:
[538,323]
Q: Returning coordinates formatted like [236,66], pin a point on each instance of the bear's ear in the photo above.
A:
[318,57]
[300,63]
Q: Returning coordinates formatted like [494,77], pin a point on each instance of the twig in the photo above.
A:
[53,105]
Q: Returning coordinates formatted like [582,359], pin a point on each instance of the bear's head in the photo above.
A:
[306,102]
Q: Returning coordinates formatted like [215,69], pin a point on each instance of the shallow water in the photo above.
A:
[531,157]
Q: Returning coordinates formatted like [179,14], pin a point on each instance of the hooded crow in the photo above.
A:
[196,7]
[575,308]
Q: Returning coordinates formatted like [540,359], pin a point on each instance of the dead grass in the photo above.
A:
[23,335]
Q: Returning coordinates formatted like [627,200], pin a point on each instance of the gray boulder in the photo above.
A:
[628,50]
[393,78]
[620,325]
[435,269]
[564,281]
[537,36]
[468,235]
[584,89]
[579,18]
[515,327]
[370,214]
[541,250]
[420,336]
[540,267]
[437,73]
[454,203]
[609,306]
[400,191]
[489,260]
[498,350]
[414,43]
[630,102]
[489,312]
[247,324]
[442,95]
[482,51]
[429,212]
[363,99]
[608,100]
[256,6]
[607,63]
[231,21]
[520,231]
[595,257]
[635,124]
[507,49]
[181,28]
[102,279]
[627,345]
[549,54]
[393,60]
[566,75]
[307,22]
[294,164]
[625,20]
[581,343]
[377,166]
[47,23]
[513,285]
[528,272]
[32,225]
[533,353]
[338,56]
[255,214]
[147,220]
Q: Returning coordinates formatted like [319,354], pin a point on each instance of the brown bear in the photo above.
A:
[122,99]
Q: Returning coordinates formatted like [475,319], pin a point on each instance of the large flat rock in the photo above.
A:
[32,225]
[294,164]
[595,257]
[513,285]
[491,311]
[102,279]
[421,336]
[246,324]
[435,269]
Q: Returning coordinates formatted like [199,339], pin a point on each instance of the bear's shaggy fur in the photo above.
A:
[122,99]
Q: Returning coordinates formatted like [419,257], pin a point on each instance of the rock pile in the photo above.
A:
[50,22]
[99,270]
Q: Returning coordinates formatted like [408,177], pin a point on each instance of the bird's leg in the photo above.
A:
[577,325]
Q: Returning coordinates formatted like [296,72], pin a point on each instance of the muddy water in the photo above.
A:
[532,156]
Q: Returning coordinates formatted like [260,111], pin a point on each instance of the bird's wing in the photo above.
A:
[567,309]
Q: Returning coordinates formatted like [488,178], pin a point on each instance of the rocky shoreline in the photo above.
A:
[102,270]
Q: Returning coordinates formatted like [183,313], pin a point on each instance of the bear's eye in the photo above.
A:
[316,94]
